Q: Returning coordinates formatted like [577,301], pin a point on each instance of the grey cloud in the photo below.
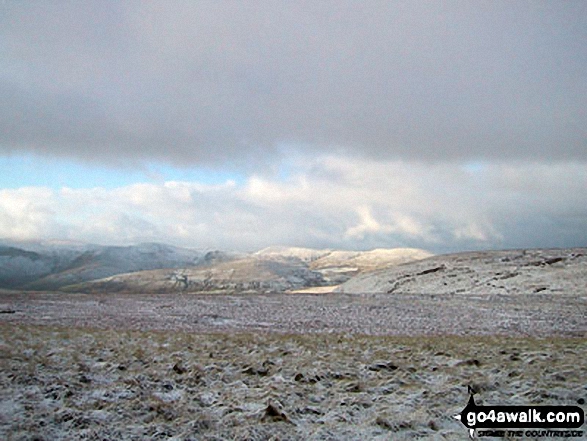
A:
[210,82]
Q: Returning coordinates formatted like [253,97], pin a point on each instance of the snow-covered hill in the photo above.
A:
[250,274]
[280,252]
[488,272]
[339,266]
[48,266]
[156,267]
[274,269]
[18,266]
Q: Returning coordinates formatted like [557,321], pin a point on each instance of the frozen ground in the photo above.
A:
[546,271]
[536,314]
[81,383]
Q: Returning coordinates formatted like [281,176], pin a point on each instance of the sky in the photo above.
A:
[237,125]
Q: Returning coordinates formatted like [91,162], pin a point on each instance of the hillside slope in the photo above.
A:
[109,261]
[274,269]
[48,266]
[339,266]
[250,274]
[499,272]
[22,263]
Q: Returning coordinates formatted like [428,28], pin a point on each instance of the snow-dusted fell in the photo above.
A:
[155,267]
[50,266]
[18,266]
[369,260]
[483,272]
[303,254]
[274,269]
[338,266]
[250,274]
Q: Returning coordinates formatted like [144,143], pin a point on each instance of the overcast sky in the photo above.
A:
[239,124]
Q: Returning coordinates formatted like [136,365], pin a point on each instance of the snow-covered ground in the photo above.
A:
[483,272]
[67,383]
[537,314]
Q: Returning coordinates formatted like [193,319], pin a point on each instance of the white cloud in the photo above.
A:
[324,201]
[366,225]
[27,213]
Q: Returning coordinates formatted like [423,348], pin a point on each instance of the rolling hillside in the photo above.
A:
[483,272]
[46,266]
[274,269]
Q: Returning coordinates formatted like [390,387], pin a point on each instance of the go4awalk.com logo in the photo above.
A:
[522,421]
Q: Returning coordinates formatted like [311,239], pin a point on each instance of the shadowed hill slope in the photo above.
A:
[40,266]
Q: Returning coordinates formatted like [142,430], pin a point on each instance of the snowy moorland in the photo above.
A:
[63,384]
[482,272]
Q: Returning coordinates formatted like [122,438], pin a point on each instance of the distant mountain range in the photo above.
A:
[52,266]
[160,268]
[154,267]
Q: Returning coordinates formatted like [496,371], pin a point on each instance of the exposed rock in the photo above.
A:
[382,366]
[179,368]
[275,412]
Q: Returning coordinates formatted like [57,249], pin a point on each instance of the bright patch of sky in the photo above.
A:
[475,166]
[32,171]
